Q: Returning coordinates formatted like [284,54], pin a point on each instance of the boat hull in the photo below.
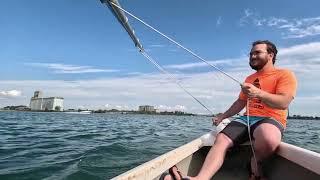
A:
[289,162]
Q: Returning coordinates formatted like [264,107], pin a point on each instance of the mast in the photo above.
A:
[123,20]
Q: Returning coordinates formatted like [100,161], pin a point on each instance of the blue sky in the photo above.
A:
[78,50]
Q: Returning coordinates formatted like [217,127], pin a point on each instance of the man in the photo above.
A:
[268,93]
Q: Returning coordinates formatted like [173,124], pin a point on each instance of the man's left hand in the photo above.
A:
[251,91]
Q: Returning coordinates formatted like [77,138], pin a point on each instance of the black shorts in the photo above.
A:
[238,132]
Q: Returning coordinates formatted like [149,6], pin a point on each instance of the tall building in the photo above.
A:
[39,103]
[146,108]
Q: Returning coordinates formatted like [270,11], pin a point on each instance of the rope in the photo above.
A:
[176,81]
[178,44]
[195,55]
[250,138]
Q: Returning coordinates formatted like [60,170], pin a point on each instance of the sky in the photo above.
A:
[79,51]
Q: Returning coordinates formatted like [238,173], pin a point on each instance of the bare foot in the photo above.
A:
[174,171]
[166,176]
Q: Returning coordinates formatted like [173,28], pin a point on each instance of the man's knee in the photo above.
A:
[267,138]
[223,140]
[266,145]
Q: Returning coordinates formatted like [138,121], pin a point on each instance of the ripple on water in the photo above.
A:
[109,161]
[100,146]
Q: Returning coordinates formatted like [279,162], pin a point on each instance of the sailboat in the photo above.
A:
[289,162]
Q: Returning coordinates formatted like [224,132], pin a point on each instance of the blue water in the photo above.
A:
[101,146]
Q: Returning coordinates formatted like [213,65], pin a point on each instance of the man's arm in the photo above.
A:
[278,101]
[235,108]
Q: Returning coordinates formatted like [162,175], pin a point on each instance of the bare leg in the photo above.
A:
[267,139]
[215,157]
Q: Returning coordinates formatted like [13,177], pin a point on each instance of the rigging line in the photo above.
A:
[250,138]
[176,81]
[138,45]
[173,41]
[124,22]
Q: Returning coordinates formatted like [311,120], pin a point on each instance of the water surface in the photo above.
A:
[100,146]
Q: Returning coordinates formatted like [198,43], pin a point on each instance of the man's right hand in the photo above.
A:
[217,119]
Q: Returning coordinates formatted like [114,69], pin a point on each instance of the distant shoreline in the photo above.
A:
[176,113]
[304,117]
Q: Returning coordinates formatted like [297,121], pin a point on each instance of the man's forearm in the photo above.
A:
[235,108]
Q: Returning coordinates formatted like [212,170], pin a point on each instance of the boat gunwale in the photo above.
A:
[303,157]
[155,167]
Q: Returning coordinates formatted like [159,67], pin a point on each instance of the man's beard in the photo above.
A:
[261,63]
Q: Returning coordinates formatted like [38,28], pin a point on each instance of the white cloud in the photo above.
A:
[219,21]
[213,89]
[219,62]
[11,93]
[156,46]
[247,15]
[170,108]
[127,92]
[292,28]
[70,69]
[167,47]
[303,59]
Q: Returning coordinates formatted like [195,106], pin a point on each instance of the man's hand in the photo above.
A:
[251,91]
[217,119]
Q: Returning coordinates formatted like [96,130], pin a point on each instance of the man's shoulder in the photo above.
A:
[252,75]
[276,73]
[284,72]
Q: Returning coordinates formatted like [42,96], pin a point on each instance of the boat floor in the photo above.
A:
[235,166]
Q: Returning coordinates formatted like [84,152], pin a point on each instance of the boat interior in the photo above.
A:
[235,166]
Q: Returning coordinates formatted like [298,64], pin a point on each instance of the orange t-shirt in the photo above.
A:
[275,82]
